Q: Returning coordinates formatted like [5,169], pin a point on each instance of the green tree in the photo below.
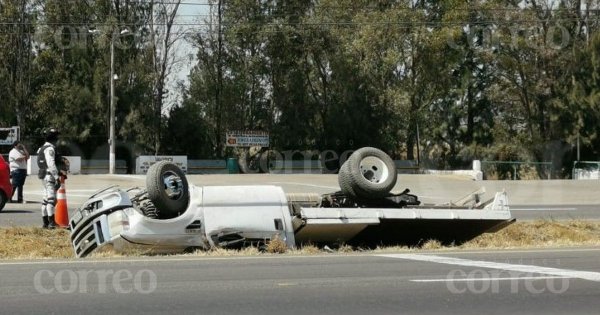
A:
[17,22]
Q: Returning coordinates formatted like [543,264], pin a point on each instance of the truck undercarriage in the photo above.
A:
[170,216]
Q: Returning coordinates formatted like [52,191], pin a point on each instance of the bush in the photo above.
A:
[277,246]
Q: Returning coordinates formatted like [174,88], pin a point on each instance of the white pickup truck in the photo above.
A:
[170,216]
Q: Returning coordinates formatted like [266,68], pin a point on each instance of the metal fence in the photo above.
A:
[517,170]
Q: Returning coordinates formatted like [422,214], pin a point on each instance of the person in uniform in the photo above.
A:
[49,174]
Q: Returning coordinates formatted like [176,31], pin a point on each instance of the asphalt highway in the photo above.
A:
[529,200]
[560,281]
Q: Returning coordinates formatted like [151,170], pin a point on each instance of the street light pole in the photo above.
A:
[113,77]
[111,133]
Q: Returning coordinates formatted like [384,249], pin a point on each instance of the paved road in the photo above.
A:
[530,199]
[499,282]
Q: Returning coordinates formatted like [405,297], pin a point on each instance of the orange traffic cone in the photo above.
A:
[61,217]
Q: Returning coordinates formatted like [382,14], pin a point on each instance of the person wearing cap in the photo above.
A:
[17,159]
[49,174]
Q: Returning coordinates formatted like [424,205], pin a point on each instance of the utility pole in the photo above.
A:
[578,151]
[111,132]
[113,78]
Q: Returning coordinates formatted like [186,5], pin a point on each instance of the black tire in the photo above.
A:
[369,173]
[345,181]
[249,164]
[167,188]
[268,161]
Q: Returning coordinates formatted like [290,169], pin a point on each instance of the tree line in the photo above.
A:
[444,82]
[55,60]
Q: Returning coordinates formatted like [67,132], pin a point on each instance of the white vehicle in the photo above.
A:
[170,216]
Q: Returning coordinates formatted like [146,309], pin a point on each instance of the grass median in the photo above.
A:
[37,243]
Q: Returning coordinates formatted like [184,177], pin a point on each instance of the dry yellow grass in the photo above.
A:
[307,249]
[247,251]
[37,243]
[345,249]
[541,233]
[33,242]
[432,244]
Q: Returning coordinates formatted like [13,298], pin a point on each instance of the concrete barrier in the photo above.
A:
[475,173]
[101,167]
[143,162]
[207,167]
[579,173]
[407,166]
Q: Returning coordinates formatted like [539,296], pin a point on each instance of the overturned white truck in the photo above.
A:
[170,216]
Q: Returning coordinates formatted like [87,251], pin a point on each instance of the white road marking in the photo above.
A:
[586,275]
[529,251]
[488,279]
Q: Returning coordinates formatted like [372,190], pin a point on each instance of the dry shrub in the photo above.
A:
[432,244]
[345,249]
[277,246]
[528,172]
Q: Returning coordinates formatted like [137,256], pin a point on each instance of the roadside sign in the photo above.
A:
[247,139]
[9,135]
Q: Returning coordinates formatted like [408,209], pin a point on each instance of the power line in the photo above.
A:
[342,23]
[375,6]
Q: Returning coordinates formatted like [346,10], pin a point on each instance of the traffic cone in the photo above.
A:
[61,217]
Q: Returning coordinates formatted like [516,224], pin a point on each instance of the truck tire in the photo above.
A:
[167,188]
[267,161]
[345,181]
[249,164]
[369,173]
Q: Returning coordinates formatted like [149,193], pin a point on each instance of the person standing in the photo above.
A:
[49,174]
[17,158]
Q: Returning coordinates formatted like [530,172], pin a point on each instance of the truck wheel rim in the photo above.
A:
[173,185]
[374,169]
